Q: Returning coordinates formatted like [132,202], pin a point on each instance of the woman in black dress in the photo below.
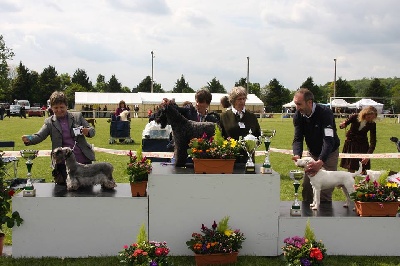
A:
[357,138]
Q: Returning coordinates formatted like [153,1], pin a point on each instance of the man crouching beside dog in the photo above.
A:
[316,124]
[65,129]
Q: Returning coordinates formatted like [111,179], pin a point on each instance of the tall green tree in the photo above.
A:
[22,85]
[274,95]
[49,81]
[70,93]
[101,85]
[80,77]
[395,104]
[376,90]
[315,89]
[344,89]
[181,86]
[5,54]
[114,85]
[145,86]
[214,86]
[65,80]
[254,88]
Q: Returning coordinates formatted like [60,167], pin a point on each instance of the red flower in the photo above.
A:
[316,253]
[11,192]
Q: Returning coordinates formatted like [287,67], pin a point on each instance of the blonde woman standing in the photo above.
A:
[357,138]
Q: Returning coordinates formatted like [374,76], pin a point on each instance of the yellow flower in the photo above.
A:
[228,232]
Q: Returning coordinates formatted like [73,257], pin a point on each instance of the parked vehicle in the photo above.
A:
[35,111]
[25,103]
[15,109]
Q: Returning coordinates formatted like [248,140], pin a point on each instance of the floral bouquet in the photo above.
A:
[217,239]
[138,167]
[214,147]
[380,190]
[304,251]
[145,253]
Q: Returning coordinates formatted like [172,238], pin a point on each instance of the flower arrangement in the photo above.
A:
[144,252]
[380,190]
[7,217]
[304,251]
[217,239]
[214,147]
[138,167]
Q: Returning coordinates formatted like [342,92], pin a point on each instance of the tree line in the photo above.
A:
[22,83]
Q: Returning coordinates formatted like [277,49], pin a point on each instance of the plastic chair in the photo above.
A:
[9,160]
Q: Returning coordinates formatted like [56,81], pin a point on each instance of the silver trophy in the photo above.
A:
[296,176]
[29,155]
[250,143]
[267,134]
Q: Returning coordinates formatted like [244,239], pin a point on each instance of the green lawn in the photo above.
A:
[13,128]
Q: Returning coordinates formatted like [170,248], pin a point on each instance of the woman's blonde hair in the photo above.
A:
[367,111]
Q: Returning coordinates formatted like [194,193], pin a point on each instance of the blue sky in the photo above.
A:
[289,40]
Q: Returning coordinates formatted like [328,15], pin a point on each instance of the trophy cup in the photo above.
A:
[250,143]
[29,155]
[296,176]
[267,134]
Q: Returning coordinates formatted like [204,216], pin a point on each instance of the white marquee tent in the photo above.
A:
[340,103]
[147,100]
[368,102]
[289,105]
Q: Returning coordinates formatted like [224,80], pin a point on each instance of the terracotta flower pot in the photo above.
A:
[377,208]
[215,259]
[2,237]
[213,166]
[138,189]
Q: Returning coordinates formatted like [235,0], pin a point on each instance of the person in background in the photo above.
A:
[105,111]
[22,111]
[121,107]
[357,138]
[316,124]
[225,102]
[65,130]
[2,111]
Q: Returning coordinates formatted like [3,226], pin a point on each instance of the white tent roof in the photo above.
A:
[291,104]
[106,98]
[369,102]
[339,103]
[150,98]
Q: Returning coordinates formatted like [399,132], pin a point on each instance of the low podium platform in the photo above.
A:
[93,222]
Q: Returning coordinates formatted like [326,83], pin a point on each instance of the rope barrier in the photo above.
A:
[257,153]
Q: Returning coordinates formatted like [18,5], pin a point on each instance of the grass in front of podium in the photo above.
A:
[189,261]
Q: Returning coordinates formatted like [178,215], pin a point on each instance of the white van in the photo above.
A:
[25,103]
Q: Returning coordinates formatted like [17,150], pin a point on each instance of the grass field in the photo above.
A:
[13,128]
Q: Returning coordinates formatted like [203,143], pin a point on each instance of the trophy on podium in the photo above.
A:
[29,155]
[267,134]
[296,176]
[250,143]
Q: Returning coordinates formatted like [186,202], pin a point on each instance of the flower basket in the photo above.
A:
[215,259]
[376,209]
[138,189]
[213,166]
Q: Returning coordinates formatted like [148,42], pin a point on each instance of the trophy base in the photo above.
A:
[250,169]
[264,170]
[295,211]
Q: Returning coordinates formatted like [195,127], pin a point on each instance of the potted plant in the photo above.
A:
[304,251]
[7,217]
[376,197]
[145,252]
[213,155]
[138,170]
[216,245]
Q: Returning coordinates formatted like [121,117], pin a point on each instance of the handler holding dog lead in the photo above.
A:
[66,130]
[316,124]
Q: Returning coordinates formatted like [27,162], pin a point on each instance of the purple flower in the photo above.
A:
[305,262]
[153,263]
